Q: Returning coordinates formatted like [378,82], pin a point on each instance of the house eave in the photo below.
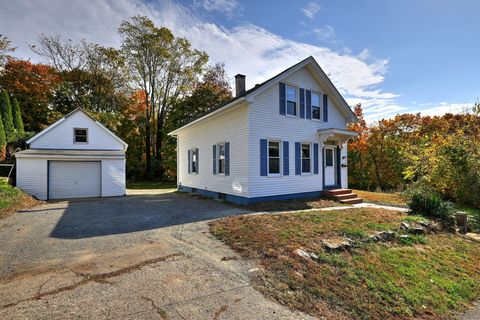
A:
[225,107]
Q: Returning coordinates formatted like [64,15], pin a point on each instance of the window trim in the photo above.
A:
[319,107]
[193,150]
[280,157]
[75,136]
[297,102]
[301,158]
[223,143]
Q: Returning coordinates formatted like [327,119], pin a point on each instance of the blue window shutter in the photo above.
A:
[339,176]
[189,161]
[315,158]
[309,104]
[302,103]
[198,161]
[298,159]
[282,100]
[214,159]
[263,157]
[227,158]
[325,108]
[286,167]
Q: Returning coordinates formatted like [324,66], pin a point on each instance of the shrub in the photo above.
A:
[430,205]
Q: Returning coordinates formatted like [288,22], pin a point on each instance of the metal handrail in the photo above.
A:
[8,165]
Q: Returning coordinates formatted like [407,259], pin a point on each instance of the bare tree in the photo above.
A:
[5,48]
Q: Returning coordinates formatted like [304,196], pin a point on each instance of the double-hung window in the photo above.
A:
[315,106]
[194,160]
[291,94]
[221,158]
[273,157]
[80,135]
[306,158]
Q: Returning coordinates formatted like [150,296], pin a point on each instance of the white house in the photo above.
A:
[285,138]
[73,158]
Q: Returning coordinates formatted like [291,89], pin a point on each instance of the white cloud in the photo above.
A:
[444,107]
[246,49]
[324,33]
[226,6]
[311,9]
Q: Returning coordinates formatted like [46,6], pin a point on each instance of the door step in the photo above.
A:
[345,196]
[351,201]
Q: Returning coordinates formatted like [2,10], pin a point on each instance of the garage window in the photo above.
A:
[80,135]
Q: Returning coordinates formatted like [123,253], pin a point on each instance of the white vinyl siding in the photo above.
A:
[265,121]
[231,126]
[62,135]
[32,176]
[113,177]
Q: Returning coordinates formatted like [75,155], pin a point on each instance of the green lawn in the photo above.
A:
[419,277]
[391,199]
[13,199]
[151,185]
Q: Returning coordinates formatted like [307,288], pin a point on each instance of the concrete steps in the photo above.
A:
[345,196]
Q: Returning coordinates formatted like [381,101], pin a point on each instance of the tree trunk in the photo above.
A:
[159,144]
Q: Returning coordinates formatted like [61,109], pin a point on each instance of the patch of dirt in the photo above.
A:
[100,278]
[25,202]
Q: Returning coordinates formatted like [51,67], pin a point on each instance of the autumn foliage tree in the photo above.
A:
[33,86]
[438,154]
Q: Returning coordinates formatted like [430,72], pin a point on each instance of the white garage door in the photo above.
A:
[73,179]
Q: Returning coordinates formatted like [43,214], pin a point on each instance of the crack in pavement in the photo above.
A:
[100,278]
[217,314]
[162,313]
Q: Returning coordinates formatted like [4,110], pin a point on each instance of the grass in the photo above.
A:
[151,185]
[13,199]
[418,277]
[289,205]
[391,199]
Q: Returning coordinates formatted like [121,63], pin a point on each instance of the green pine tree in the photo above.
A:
[3,139]
[7,117]
[17,117]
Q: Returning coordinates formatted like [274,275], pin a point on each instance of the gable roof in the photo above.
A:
[56,123]
[247,95]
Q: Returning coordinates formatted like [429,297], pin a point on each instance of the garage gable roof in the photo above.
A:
[58,122]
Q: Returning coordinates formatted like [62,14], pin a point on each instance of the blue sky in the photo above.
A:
[392,56]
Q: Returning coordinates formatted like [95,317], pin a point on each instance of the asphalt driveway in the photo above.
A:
[143,256]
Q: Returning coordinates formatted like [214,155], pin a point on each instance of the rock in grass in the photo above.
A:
[305,254]
[336,245]
[383,236]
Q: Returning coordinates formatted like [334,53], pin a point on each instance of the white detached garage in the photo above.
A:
[76,157]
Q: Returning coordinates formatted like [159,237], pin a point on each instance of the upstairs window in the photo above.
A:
[273,157]
[80,135]
[315,106]
[306,159]
[221,158]
[291,100]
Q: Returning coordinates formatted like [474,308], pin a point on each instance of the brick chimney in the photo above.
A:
[239,84]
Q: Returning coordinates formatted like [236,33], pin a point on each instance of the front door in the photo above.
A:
[329,164]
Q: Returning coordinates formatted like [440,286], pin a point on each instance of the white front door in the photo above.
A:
[329,165]
[74,179]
